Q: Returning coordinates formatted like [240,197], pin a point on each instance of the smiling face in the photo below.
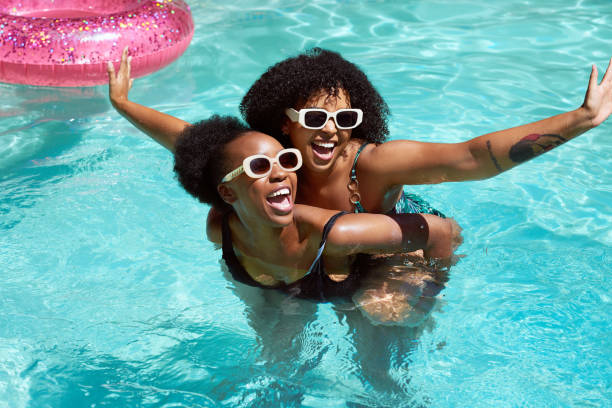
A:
[320,148]
[269,199]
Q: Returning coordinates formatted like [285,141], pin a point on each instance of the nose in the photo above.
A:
[277,173]
[330,126]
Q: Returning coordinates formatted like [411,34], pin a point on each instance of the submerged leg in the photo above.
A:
[398,290]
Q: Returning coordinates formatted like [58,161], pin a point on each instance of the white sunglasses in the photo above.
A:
[316,118]
[260,165]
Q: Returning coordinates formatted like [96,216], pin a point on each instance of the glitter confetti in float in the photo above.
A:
[68,42]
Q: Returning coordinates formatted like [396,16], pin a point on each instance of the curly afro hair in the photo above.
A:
[199,160]
[294,80]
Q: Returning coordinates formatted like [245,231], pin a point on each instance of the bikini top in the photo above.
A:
[407,203]
[316,284]
[353,185]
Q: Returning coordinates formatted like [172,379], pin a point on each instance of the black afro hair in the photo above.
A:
[296,79]
[199,160]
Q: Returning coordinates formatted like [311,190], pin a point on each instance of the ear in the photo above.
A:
[285,126]
[227,193]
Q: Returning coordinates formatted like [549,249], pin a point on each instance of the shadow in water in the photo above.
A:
[37,122]
[293,354]
[37,126]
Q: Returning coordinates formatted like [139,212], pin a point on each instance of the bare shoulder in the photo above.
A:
[376,157]
[350,151]
[214,223]
[312,219]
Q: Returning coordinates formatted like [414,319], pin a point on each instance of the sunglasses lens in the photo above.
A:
[260,165]
[346,119]
[288,160]
[315,119]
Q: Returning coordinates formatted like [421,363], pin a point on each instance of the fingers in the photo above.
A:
[123,66]
[110,69]
[608,74]
[124,60]
[593,78]
[131,83]
[129,66]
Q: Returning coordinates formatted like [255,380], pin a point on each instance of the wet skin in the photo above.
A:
[281,255]
[326,172]
[318,158]
[277,241]
[252,198]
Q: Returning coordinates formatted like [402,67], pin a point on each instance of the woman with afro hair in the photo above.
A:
[382,299]
[326,107]
[251,179]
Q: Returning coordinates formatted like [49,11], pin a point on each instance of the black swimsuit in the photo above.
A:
[314,285]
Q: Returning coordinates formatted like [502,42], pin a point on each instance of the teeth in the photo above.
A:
[282,191]
[328,145]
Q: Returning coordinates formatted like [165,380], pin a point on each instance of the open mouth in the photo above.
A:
[323,150]
[280,200]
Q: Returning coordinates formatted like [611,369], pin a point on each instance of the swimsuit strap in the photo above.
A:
[353,184]
[317,264]
[241,275]
[354,168]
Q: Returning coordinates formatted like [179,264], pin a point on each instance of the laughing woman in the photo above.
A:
[326,107]
[269,241]
[282,251]
[402,290]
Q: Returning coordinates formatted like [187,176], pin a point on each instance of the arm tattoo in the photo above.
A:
[534,145]
[493,158]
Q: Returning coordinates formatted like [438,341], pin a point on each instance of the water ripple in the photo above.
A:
[111,296]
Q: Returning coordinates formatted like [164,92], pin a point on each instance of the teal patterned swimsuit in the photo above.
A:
[407,203]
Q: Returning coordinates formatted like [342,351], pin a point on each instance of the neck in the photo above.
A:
[339,170]
[307,177]
[255,233]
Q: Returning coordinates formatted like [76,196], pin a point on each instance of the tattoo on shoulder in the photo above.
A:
[534,145]
[493,158]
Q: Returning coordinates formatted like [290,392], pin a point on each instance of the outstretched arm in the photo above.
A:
[378,233]
[163,128]
[407,162]
[371,233]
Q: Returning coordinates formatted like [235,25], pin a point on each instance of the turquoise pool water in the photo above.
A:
[110,295]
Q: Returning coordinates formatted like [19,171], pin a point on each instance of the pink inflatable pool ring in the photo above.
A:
[68,42]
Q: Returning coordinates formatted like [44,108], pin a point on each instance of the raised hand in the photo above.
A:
[120,83]
[164,129]
[598,99]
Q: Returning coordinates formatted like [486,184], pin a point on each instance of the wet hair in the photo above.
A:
[199,157]
[293,81]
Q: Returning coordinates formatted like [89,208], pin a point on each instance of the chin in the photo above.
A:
[315,167]
[279,220]
[276,217]
[317,164]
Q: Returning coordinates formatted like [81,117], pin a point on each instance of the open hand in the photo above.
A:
[120,84]
[598,99]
